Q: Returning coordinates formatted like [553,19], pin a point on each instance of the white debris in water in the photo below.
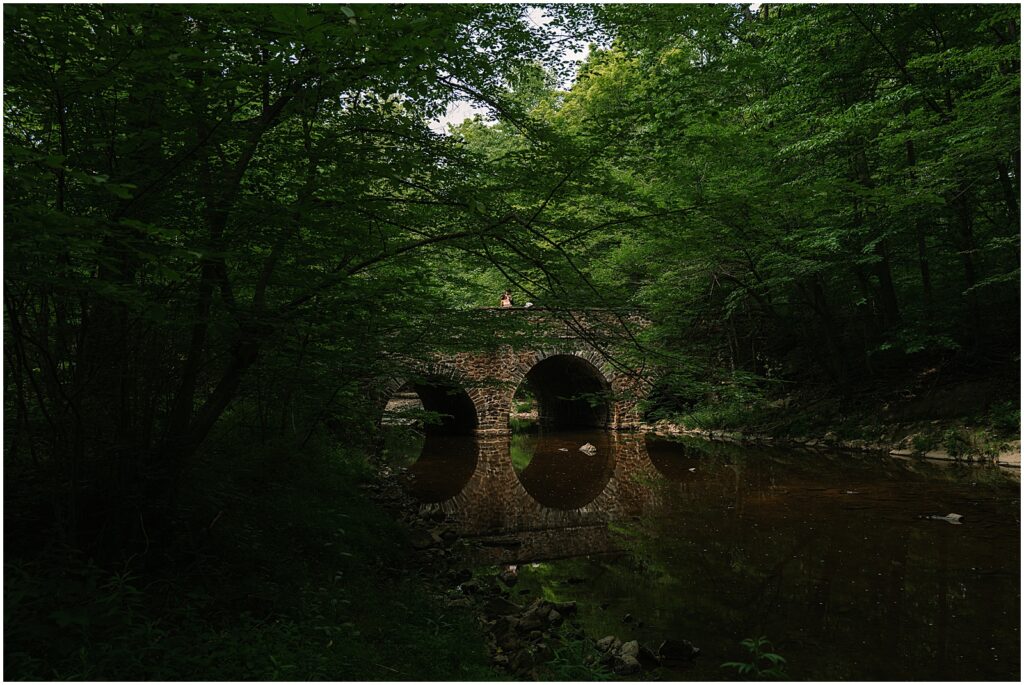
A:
[588,449]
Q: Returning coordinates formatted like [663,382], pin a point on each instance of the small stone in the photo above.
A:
[605,643]
[628,618]
[565,608]
[530,621]
[647,657]
[496,606]
[627,666]
[631,648]
[448,536]
[522,662]
[677,650]
[554,618]
[588,449]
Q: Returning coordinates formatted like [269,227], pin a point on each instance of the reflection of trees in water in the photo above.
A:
[756,547]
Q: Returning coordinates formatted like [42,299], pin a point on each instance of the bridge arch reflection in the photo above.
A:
[514,519]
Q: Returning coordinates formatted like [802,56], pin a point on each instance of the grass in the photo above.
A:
[285,572]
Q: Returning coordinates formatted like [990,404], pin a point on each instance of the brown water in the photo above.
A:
[826,555]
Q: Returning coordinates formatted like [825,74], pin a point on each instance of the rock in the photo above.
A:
[509,643]
[647,657]
[509,577]
[421,539]
[531,621]
[448,536]
[949,518]
[631,648]
[555,618]
[609,643]
[522,662]
[565,608]
[461,576]
[628,618]
[470,587]
[496,606]
[588,449]
[627,666]
[674,651]
[437,516]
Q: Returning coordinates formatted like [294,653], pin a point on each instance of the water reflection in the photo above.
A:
[445,465]
[826,554]
[556,473]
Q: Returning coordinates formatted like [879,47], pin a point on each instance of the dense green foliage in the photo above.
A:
[241,214]
[809,192]
[288,573]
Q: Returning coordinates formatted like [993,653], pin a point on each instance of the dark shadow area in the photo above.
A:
[570,393]
[444,467]
[440,407]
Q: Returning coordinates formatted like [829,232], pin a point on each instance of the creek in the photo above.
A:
[830,556]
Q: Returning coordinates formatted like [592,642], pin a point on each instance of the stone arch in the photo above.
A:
[442,387]
[621,411]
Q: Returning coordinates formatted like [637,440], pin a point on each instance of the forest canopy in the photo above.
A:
[243,212]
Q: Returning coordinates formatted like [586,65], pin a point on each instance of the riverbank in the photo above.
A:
[928,412]
[528,636]
[1003,453]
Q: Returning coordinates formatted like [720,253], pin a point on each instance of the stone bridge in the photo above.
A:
[567,361]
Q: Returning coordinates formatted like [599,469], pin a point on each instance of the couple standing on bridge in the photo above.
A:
[506,300]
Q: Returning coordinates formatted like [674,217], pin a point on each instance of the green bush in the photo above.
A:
[284,572]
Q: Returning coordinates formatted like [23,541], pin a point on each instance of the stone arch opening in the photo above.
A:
[570,393]
[441,406]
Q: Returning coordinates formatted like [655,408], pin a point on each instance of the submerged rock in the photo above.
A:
[647,657]
[674,651]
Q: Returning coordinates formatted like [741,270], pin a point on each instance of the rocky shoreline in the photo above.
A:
[1008,458]
[528,637]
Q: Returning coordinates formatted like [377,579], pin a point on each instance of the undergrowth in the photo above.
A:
[283,571]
